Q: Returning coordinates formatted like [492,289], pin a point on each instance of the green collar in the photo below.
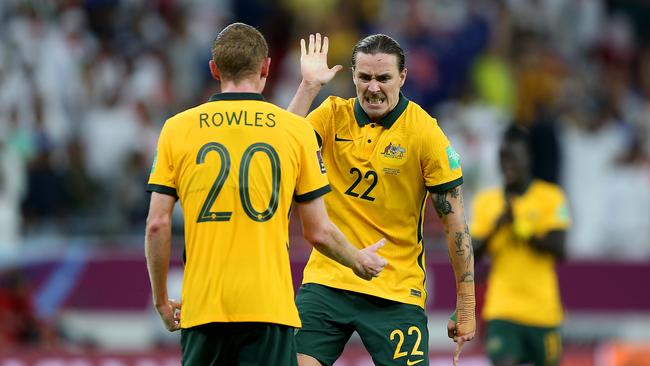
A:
[388,120]
[236,96]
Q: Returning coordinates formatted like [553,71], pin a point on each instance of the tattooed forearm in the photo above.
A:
[463,243]
[467,277]
[442,205]
[470,258]
[460,251]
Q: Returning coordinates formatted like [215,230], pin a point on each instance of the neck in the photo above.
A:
[242,86]
[518,187]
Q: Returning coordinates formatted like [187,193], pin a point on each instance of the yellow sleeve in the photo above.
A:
[162,178]
[556,213]
[312,180]
[319,118]
[440,162]
[481,224]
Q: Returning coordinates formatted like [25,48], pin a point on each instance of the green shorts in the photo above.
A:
[243,344]
[393,333]
[511,341]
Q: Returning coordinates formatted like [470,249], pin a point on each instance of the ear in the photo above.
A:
[402,77]
[266,66]
[213,70]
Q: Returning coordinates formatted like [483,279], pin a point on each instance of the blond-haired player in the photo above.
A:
[236,163]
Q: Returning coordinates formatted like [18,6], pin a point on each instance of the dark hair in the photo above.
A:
[379,43]
[516,132]
[238,51]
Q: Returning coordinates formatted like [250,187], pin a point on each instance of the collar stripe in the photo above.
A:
[388,120]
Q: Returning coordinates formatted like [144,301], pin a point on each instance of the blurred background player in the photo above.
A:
[384,155]
[236,163]
[522,227]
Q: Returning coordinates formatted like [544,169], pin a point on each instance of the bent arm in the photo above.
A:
[554,243]
[303,98]
[320,232]
[450,209]
[315,73]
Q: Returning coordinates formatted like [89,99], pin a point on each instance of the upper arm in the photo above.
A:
[440,162]
[161,207]
[312,180]
[162,178]
[449,206]
[312,212]
[319,117]
[556,216]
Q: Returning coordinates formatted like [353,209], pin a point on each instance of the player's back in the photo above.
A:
[235,164]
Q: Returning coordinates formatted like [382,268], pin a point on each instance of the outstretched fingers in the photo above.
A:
[312,42]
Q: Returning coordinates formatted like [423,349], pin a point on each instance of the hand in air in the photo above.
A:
[369,263]
[313,61]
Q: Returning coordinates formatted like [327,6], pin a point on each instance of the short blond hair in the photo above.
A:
[238,51]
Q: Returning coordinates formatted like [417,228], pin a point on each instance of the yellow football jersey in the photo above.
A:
[381,174]
[522,284]
[236,163]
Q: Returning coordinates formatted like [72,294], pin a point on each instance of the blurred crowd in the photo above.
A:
[85,87]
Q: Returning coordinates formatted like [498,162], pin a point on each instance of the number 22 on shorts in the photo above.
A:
[412,356]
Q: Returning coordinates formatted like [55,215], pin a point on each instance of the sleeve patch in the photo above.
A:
[319,156]
[453,157]
[563,213]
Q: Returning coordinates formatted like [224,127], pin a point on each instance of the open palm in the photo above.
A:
[313,61]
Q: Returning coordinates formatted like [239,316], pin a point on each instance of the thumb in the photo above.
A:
[336,68]
[375,247]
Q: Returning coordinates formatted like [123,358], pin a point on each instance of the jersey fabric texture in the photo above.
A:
[381,173]
[522,284]
[236,163]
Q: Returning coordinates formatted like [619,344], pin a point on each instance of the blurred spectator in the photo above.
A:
[79,189]
[18,323]
[11,191]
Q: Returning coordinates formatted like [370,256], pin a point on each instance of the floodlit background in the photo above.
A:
[85,87]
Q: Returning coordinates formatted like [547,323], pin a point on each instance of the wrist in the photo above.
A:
[310,85]
[465,308]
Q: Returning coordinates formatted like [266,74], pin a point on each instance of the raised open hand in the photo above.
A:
[313,61]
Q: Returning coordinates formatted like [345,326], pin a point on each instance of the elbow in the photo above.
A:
[157,225]
[316,236]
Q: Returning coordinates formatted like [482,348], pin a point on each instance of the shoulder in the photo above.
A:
[181,119]
[337,103]
[548,190]
[418,116]
[487,195]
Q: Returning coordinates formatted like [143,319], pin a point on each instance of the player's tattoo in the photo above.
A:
[462,241]
[467,277]
[468,259]
[454,192]
[460,251]
[443,207]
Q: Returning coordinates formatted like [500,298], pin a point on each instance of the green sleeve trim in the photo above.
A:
[313,194]
[453,316]
[442,188]
[162,189]
[319,140]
